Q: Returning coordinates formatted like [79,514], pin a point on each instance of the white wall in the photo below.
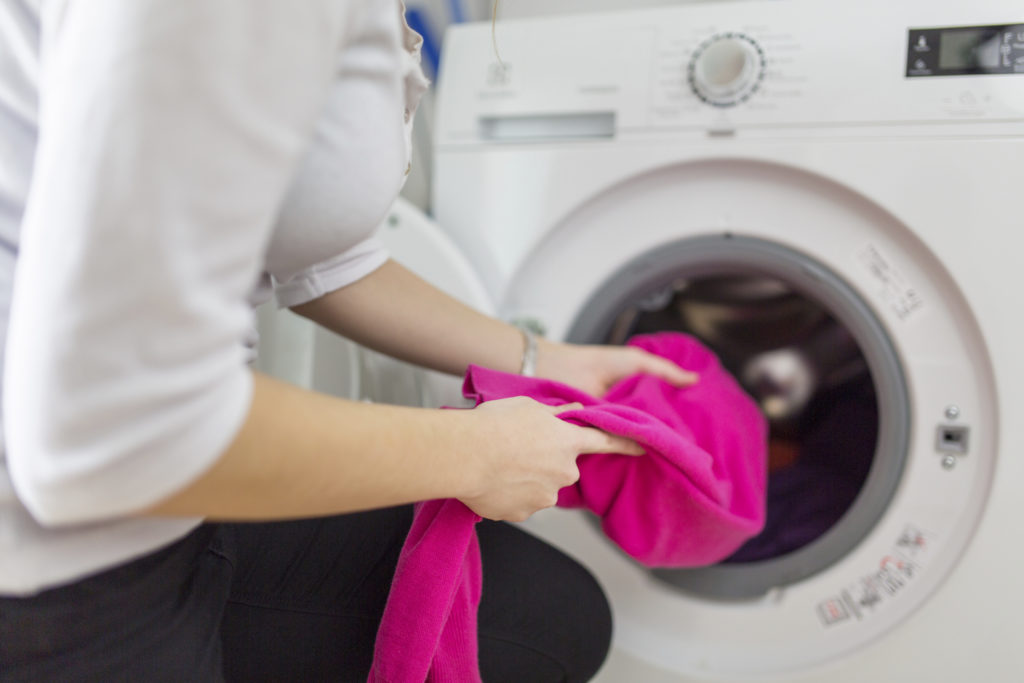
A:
[476,10]
[479,10]
[533,8]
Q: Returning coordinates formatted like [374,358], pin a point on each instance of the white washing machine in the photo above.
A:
[829,194]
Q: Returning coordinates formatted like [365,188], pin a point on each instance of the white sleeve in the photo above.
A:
[169,132]
[353,264]
[296,282]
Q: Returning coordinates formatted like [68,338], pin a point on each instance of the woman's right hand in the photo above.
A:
[524,454]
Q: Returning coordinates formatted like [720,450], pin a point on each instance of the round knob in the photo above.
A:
[726,69]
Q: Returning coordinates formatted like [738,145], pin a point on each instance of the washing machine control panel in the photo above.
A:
[726,69]
[874,67]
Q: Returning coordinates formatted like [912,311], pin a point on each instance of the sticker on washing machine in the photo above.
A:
[833,611]
[895,291]
[895,572]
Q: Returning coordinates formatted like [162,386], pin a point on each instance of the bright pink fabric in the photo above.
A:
[428,632]
[695,496]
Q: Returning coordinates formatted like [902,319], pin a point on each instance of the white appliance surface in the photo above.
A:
[873,154]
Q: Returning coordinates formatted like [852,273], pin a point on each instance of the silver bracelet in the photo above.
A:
[529,364]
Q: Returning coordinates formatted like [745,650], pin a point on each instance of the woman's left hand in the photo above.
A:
[594,369]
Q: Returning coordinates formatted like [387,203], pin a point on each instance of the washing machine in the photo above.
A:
[829,195]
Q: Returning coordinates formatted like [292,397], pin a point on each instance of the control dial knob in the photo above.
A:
[726,69]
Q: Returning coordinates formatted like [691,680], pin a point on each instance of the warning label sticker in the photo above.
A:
[895,291]
[895,572]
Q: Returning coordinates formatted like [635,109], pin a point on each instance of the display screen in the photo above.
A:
[967,49]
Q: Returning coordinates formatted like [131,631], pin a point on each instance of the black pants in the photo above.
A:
[296,601]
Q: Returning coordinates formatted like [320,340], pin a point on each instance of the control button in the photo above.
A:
[951,439]
[724,63]
[922,44]
[920,65]
[726,69]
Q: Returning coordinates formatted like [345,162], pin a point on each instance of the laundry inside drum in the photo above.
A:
[810,378]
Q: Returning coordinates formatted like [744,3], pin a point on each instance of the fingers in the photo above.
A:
[668,371]
[596,441]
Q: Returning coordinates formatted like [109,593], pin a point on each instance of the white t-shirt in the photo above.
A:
[158,160]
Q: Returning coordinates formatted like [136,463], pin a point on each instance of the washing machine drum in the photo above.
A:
[821,366]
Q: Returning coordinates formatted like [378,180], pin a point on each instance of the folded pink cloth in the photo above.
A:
[695,496]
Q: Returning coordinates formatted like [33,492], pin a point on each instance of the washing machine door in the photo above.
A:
[295,349]
[863,353]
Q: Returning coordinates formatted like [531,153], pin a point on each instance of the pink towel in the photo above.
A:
[428,631]
[693,499]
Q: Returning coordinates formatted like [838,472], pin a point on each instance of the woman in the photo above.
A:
[164,165]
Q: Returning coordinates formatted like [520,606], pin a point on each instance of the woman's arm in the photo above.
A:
[302,454]
[395,312]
